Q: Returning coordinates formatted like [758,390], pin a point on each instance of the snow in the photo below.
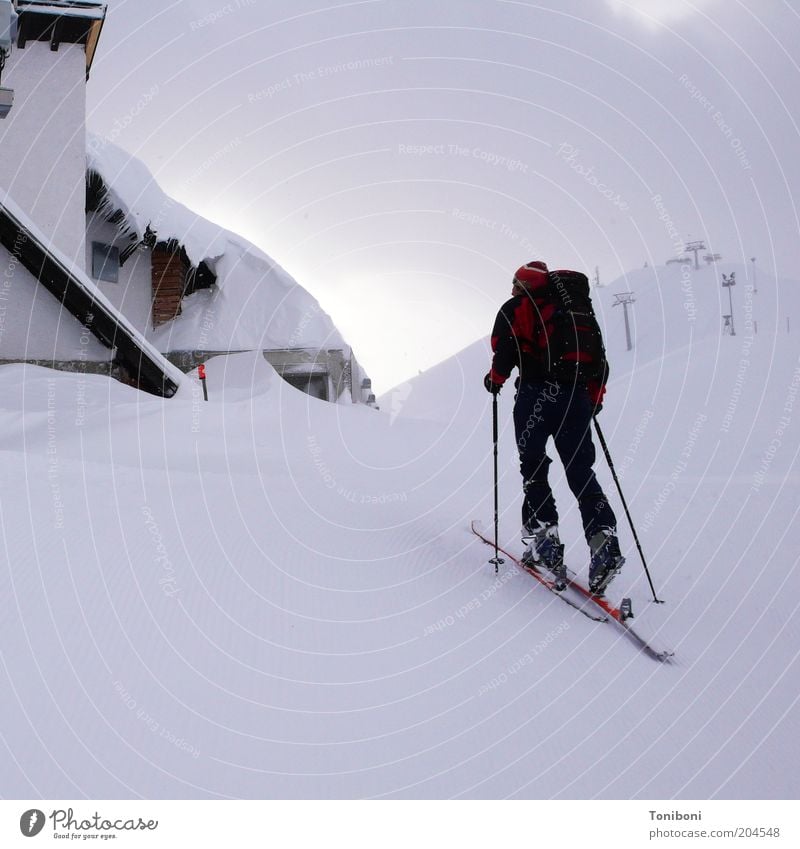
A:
[266,595]
[255,303]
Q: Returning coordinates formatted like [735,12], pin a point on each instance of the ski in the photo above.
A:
[619,615]
[541,578]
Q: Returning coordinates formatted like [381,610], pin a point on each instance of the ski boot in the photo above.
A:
[606,560]
[546,551]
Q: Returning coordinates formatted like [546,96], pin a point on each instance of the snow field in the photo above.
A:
[270,596]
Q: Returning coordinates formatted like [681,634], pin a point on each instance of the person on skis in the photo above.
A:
[548,331]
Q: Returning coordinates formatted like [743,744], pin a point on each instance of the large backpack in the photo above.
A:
[572,346]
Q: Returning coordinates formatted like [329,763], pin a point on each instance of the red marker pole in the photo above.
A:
[201,373]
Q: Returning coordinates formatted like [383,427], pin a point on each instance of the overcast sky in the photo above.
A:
[401,158]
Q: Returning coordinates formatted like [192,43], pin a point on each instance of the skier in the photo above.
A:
[548,331]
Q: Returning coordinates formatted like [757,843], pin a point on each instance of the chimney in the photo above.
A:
[43,137]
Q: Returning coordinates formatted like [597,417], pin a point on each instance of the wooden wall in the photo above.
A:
[169,279]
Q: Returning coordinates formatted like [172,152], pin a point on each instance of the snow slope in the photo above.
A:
[270,596]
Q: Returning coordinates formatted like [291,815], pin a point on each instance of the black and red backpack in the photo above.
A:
[573,343]
[568,343]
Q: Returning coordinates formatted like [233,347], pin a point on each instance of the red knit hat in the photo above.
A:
[531,275]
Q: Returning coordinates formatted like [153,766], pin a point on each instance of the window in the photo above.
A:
[105,262]
[315,385]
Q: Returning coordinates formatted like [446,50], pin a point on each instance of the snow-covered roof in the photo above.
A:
[255,304]
[140,354]
[94,9]
[57,21]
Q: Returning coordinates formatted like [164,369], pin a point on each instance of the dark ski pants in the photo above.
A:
[545,408]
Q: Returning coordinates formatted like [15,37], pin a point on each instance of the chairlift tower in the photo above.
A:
[625,298]
[695,248]
[755,275]
[728,282]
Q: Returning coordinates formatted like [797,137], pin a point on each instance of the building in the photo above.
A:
[102,272]
[197,290]
[50,311]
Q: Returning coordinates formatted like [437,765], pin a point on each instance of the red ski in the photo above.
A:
[620,615]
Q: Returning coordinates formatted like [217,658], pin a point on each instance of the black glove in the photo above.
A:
[491,386]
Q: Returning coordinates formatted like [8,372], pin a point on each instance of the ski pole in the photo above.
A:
[600,436]
[496,560]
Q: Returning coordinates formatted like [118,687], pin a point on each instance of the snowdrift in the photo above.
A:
[269,596]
